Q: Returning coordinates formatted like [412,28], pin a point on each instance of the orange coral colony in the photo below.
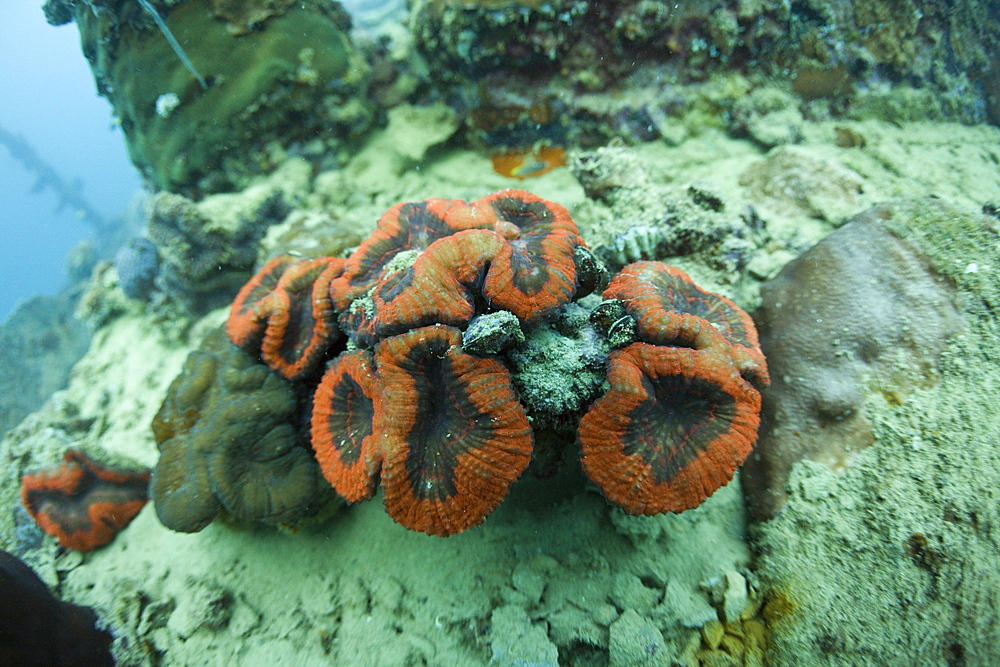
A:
[670,309]
[443,430]
[286,309]
[82,503]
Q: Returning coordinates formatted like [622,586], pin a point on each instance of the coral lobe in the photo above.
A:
[82,503]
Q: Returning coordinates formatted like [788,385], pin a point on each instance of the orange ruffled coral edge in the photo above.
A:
[447,433]
[670,309]
[673,428]
[82,503]
[681,414]
[286,309]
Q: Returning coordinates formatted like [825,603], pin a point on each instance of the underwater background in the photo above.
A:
[506,332]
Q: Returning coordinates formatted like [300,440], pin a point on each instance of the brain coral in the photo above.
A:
[229,440]
[433,391]
[861,312]
[679,417]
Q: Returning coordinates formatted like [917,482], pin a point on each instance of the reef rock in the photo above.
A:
[39,343]
[209,93]
[862,312]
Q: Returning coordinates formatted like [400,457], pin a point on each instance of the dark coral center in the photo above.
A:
[681,418]
[351,422]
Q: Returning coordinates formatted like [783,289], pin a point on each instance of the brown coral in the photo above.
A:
[228,438]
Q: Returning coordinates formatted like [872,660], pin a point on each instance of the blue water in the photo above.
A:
[49,98]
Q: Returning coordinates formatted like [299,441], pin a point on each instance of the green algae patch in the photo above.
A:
[294,79]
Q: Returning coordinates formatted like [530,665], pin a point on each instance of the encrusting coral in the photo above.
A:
[861,313]
[421,391]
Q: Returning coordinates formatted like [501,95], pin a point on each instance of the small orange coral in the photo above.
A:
[288,303]
[679,418]
[82,503]
[406,226]
[302,323]
[252,305]
[535,272]
[441,287]
[442,427]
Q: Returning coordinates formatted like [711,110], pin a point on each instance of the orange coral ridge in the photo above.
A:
[670,309]
[673,428]
[534,273]
[81,503]
[447,432]
[405,226]
[252,305]
[286,308]
[440,286]
[512,250]
[679,418]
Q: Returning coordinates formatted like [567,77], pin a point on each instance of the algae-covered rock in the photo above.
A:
[515,640]
[894,561]
[277,76]
[861,312]
[201,256]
